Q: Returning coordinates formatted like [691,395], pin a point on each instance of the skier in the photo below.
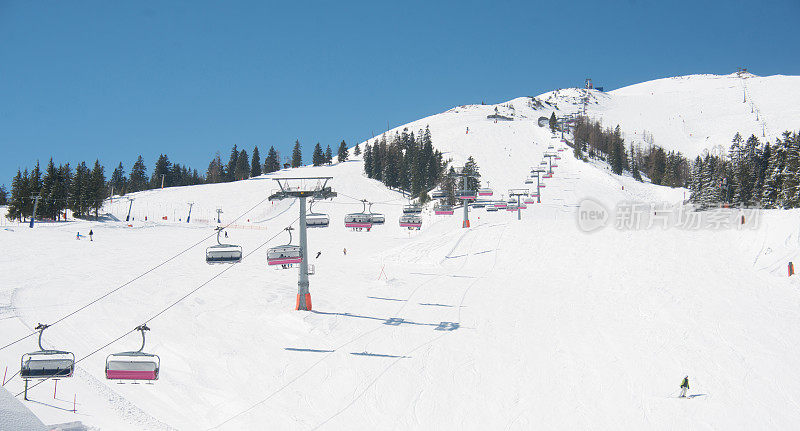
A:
[318,253]
[78,235]
[684,387]
[344,251]
[90,235]
[226,234]
[467,130]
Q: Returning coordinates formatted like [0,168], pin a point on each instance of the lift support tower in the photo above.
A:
[302,188]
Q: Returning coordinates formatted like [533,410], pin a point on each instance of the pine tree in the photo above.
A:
[162,173]
[634,167]
[63,186]
[297,155]
[255,163]
[19,191]
[773,182]
[47,205]
[696,184]
[342,153]
[77,196]
[216,171]
[272,164]
[553,122]
[242,166]
[97,186]
[230,170]
[317,157]
[791,181]
[368,160]
[470,167]
[357,150]
[328,154]
[138,179]
[118,180]
[3,195]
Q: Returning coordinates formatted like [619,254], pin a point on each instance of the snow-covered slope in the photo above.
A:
[529,324]
[696,112]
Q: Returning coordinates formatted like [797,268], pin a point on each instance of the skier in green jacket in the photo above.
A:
[684,386]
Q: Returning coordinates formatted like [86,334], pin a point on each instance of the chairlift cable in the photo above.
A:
[164,310]
[105,295]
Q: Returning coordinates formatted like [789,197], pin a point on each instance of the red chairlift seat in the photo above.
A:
[411,221]
[135,365]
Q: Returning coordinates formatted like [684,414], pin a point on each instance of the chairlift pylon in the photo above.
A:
[46,363]
[133,365]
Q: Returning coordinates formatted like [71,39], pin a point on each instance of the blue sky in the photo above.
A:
[81,80]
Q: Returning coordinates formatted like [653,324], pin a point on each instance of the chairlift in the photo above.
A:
[223,253]
[501,204]
[314,220]
[439,194]
[412,209]
[134,365]
[46,363]
[485,191]
[466,194]
[284,255]
[359,221]
[411,221]
[529,181]
[491,208]
[375,218]
[443,209]
[478,204]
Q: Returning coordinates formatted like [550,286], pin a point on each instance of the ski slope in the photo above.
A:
[510,324]
[695,113]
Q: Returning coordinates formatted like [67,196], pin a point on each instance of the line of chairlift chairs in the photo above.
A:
[142,366]
[133,366]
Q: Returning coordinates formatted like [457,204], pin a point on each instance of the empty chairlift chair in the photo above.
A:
[285,255]
[134,365]
[46,363]
[485,191]
[223,253]
[359,221]
[314,220]
[443,209]
[439,194]
[375,218]
[412,209]
[411,221]
[466,194]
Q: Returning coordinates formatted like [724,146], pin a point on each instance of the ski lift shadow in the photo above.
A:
[379,355]
[298,349]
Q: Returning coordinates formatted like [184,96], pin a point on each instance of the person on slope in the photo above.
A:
[90,235]
[684,387]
